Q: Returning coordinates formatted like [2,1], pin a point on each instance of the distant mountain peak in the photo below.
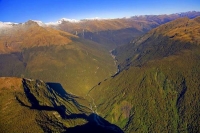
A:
[31,22]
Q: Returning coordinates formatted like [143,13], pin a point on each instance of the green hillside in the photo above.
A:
[78,66]
[158,87]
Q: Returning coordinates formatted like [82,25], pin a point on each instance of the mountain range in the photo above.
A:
[112,32]
[137,74]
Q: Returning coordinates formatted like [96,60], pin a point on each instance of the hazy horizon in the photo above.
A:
[19,11]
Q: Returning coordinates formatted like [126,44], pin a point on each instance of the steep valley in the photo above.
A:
[160,96]
[57,79]
[157,89]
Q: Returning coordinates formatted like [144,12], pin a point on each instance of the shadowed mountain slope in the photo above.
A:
[29,105]
[157,89]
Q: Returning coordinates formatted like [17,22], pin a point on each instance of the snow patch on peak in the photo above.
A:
[68,20]
[51,23]
[63,20]
[96,18]
[40,23]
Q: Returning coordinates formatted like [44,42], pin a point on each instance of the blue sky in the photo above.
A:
[53,10]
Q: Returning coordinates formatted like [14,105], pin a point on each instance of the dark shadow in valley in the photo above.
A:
[95,123]
[35,103]
[57,87]
[20,102]
[182,92]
